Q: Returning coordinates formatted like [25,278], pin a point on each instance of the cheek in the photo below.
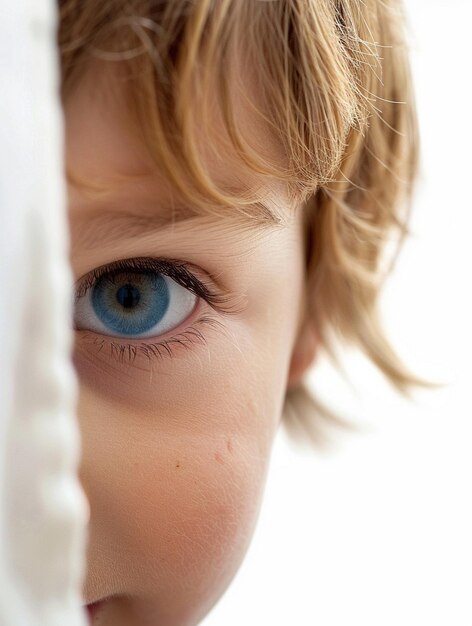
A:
[198,521]
[175,492]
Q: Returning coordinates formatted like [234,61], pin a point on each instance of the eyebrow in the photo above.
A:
[106,225]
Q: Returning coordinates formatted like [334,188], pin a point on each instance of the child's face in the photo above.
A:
[175,449]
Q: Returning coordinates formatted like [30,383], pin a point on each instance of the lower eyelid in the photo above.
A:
[153,349]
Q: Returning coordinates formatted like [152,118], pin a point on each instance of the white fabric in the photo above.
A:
[43,511]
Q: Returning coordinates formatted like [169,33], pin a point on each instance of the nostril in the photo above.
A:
[92,609]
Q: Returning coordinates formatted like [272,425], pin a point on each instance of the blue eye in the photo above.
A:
[135,304]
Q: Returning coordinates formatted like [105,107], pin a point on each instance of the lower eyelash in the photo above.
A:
[127,353]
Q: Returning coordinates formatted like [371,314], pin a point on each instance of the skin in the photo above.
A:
[175,451]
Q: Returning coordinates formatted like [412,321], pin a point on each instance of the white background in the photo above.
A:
[377,532]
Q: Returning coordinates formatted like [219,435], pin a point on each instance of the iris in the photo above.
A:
[131,304]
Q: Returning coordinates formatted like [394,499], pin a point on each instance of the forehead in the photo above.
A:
[103,144]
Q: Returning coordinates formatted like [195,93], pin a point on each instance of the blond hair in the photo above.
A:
[337,95]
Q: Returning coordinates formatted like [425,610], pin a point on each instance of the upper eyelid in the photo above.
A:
[223,301]
[171,268]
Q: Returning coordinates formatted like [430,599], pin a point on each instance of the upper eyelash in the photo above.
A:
[173,268]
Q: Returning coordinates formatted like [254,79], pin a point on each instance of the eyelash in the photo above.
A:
[178,271]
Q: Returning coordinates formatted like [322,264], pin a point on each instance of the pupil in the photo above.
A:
[128,296]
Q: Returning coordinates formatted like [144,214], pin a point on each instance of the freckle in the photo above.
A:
[219,458]
[229,445]
[178,464]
